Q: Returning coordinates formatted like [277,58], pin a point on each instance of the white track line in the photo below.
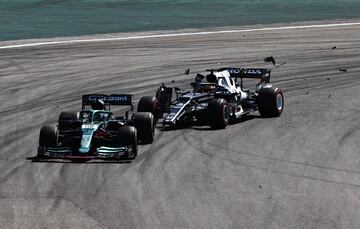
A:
[175,35]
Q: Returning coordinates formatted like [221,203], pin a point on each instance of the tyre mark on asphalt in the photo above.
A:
[55,198]
[193,142]
[285,161]
[201,147]
[343,140]
[236,162]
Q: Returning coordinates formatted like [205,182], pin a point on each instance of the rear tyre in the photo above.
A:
[149,104]
[67,119]
[218,113]
[49,137]
[270,102]
[144,124]
[127,136]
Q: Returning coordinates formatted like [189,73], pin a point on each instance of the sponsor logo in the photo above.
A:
[122,98]
[245,71]
[234,70]
[88,126]
[252,71]
[94,98]
[118,98]
[169,117]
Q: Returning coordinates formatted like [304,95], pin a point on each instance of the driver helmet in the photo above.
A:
[211,78]
[98,105]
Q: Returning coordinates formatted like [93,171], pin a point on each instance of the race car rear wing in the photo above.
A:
[113,99]
[253,73]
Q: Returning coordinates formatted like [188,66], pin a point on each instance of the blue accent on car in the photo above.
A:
[87,138]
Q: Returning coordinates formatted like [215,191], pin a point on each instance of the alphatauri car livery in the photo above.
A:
[95,133]
[217,98]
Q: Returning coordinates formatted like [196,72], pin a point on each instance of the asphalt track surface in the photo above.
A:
[301,170]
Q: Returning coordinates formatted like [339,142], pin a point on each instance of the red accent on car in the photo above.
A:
[102,134]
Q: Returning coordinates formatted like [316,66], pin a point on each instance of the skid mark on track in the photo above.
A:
[194,141]
[102,184]
[236,162]
[56,199]
[243,164]
[7,175]
[284,161]
[147,156]
[350,133]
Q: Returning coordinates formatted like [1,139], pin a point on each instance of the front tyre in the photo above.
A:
[270,102]
[49,137]
[127,136]
[218,113]
[144,123]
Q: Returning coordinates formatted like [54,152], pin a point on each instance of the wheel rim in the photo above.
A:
[279,102]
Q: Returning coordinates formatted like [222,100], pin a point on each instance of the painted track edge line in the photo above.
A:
[49,43]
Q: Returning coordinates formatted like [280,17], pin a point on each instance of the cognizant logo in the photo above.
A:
[118,98]
[123,98]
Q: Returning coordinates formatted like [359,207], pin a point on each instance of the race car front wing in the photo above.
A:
[104,153]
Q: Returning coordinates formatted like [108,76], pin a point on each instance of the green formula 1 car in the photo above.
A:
[95,133]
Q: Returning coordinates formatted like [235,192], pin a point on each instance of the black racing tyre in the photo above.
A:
[218,111]
[144,123]
[149,104]
[270,102]
[49,136]
[127,135]
[67,118]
